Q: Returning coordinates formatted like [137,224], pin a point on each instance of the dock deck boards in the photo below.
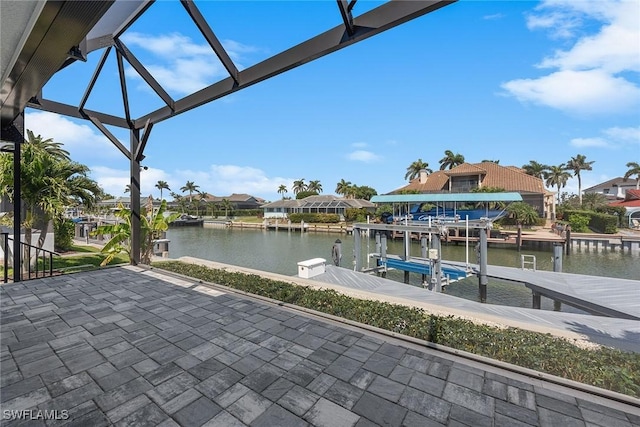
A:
[610,331]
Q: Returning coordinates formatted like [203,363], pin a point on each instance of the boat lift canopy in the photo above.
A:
[448,197]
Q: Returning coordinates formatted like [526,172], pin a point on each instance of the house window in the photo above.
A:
[464,184]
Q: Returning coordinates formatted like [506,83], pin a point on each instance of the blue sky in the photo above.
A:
[512,81]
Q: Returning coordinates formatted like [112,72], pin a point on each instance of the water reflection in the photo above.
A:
[279,252]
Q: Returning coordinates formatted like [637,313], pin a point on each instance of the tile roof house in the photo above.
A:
[467,177]
[615,188]
[239,201]
[315,204]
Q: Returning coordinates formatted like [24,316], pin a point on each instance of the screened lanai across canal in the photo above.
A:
[41,39]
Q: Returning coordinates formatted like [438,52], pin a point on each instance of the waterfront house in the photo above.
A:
[614,189]
[468,177]
[238,201]
[315,204]
[631,203]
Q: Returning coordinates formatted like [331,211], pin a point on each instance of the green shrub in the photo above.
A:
[355,215]
[320,218]
[63,232]
[581,221]
[603,367]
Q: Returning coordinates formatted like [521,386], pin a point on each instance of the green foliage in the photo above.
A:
[63,232]
[320,218]
[579,223]
[488,190]
[120,233]
[355,215]
[603,367]
[364,192]
[523,213]
[305,193]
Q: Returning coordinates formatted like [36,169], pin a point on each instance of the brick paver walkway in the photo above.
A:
[127,347]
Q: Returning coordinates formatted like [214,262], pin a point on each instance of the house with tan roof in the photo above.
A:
[239,201]
[315,204]
[470,176]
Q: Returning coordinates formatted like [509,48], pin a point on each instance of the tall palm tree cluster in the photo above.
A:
[300,186]
[50,183]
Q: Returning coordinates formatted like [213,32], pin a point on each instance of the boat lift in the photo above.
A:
[430,265]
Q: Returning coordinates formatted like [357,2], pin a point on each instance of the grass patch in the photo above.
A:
[603,367]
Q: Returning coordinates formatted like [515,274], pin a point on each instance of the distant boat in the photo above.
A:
[447,214]
[187,221]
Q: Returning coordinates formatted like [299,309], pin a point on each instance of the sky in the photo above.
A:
[509,81]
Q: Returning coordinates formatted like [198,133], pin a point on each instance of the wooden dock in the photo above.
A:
[620,332]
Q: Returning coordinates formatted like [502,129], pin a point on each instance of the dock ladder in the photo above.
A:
[528,262]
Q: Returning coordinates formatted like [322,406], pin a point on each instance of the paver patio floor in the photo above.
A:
[131,347]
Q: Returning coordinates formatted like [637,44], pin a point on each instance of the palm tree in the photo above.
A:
[450,160]
[342,187]
[53,148]
[227,206]
[634,169]
[282,190]
[162,185]
[557,176]
[127,188]
[413,171]
[578,164]
[314,186]
[298,186]
[497,162]
[191,188]
[49,183]
[536,169]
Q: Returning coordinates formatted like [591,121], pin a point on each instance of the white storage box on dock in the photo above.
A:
[311,267]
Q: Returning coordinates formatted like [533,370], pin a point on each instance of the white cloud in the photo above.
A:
[363,156]
[614,138]
[181,65]
[82,141]
[589,142]
[630,135]
[578,92]
[494,16]
[591,76]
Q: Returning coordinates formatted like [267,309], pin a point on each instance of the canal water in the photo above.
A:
[280,251]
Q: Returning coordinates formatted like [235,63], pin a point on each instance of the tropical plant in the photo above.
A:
[304,194]
[282,190]
[557,176]
[593,201]
[490,161]
[127,188]
[536,169]
[523,213]
[578,164]
[298,186]
[413,170]
[364,192]
[450,160]
[227,206]
[342,187]
[634,169]
[151,225]
[314,186]
[50,182]
[162,185]
[191,188]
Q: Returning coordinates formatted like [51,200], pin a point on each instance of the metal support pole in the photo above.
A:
[567,239]
[423,253]
[437,270]
[557,267]
[383,253]
[136,235]
[536,300]
[482,277]
[357,250]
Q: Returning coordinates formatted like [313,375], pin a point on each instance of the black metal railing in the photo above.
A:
[42,267]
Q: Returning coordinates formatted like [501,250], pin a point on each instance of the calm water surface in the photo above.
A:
[280,251]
